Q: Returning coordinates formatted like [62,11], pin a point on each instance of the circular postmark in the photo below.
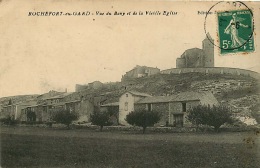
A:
[233,24]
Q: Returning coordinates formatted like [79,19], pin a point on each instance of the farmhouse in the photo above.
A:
[173,108]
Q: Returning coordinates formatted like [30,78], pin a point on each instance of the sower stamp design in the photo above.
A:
[235,30]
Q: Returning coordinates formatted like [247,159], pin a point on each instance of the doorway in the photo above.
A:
[178,120]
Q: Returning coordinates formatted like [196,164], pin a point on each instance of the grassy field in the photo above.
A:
[45,147]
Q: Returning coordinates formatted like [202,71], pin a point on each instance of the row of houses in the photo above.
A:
[41,109]
[173,108]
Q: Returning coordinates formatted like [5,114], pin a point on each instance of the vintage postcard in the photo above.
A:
[144,83]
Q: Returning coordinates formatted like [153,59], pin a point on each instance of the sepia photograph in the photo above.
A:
[129,84]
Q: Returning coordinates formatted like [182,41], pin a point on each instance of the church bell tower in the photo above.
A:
[208,48]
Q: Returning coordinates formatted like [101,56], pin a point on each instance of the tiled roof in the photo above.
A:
[73,101]
[139,94]
[111,104]
[155,99]
[59,104]
[184,96]
[27,103]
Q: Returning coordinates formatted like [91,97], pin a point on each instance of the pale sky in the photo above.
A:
[42,53]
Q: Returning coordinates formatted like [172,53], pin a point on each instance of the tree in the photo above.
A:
[31,116]
[100,118]
[143,118]
[65,117]
[113,112]
[212,116]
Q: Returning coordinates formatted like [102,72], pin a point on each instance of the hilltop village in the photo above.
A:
[194,81]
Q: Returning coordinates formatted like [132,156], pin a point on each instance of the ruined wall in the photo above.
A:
[95,85]
[152,71]
[180,63]
[140,71]
[79,88]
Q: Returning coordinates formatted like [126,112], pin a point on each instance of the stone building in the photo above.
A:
[14,110]
[92,85]
[95,85]
[126,104]
[113,109]
[173,108]
[198,58]
[43,112]
[140,71]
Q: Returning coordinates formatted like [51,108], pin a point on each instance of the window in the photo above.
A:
[126,106]
[126,95]
[149,107]
[184,107]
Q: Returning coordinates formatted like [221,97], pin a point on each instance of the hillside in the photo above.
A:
[17,99]
[241,93]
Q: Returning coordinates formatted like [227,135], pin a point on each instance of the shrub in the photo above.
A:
[65,117]
[9,121]
[212,116]
[49,123]
[143,118]
[100,118]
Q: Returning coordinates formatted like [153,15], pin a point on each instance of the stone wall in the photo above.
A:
[163,108]
[139,107]
[176,108]
[85,109]
[213,70]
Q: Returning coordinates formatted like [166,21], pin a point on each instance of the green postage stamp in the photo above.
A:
[235,31]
